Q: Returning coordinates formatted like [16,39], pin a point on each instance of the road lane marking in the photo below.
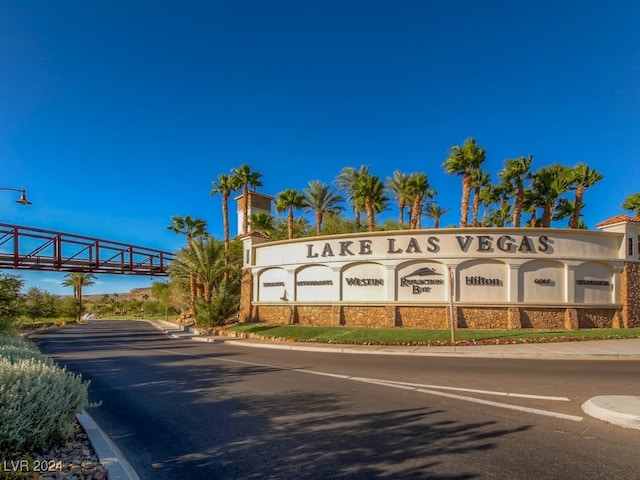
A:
[485,392]
[416,388]
[400,385]
[536,411]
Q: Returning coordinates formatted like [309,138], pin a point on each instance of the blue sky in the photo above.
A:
[116,115]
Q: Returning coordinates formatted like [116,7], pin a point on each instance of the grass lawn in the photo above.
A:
[415,336]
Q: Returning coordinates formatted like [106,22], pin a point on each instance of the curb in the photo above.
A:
[178,332]
[620,410]
[117,466]
[458,354]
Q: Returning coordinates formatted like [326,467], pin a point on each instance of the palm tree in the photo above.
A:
[301,228]
[208,262]
[632,202]
[289,200]
[78,280]
[347,180]
[191,228]
[320,199]
[225,185]
[244,178]
[516,173]
[505,191]
[104,300]
[480,180]
[564,208]
[115,304]
[418,189]
[397,186]
[204,261]
[435,212]
[489,194]
[462,161]
[369,192]
[549,184]
[262,223]
[583,178]
[499,217]
[530,205]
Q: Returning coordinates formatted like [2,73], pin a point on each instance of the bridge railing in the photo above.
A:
[38,249]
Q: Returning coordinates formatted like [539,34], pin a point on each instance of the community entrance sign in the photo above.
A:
[498,277]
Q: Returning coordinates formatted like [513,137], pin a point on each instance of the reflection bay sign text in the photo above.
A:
[465,243]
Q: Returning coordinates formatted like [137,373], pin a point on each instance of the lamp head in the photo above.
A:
[23,198]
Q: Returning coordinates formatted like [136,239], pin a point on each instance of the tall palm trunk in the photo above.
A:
[575,216]
[416,213]
[225,227]
[371,220]
[318,221]
[245,210]
[464,204]
[517,206]
[401,206]
[485,214]
[193,283]
[78,294]
[225,220]
[547,215]
[476,205]
[290,223]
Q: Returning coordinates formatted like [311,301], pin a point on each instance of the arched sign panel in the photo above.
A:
[275,285]
[364,282]
[594,283]
[421,282]
[541,281]
[317,283]
[482,281]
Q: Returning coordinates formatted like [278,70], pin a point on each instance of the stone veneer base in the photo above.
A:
[437,317]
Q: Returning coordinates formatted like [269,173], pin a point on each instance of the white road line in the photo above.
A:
[536,411]
[407,386]
[399,385]
[485,392]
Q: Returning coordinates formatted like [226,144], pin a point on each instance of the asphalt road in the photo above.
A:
[179,409]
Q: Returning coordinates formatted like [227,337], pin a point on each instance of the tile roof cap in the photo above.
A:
[618,219]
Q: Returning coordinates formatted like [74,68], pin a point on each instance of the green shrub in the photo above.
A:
[6,326]
[38,400]
[15,349]
[224,303]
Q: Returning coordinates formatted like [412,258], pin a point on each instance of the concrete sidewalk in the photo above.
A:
[621,410]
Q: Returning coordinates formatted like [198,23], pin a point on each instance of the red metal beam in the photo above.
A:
[37,249]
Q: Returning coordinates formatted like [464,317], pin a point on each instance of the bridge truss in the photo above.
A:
[37,249]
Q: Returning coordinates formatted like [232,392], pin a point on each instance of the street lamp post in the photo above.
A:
[23,195]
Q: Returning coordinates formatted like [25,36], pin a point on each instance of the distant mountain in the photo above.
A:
[136,293]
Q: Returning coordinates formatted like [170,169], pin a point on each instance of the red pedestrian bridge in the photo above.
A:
[36,249]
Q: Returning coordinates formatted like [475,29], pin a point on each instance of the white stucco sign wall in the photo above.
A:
[488,266]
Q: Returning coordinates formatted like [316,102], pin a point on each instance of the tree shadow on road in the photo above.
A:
[295,435]
[212,416]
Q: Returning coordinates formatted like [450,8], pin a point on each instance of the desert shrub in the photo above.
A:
[15,349]
[223,304]
[38,400]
